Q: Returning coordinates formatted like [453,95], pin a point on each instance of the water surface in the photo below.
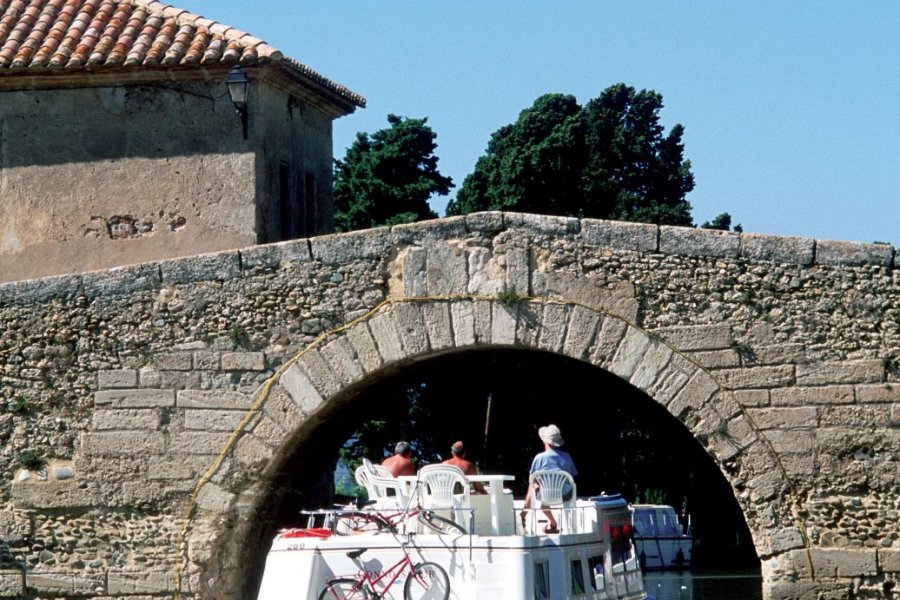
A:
[705,585]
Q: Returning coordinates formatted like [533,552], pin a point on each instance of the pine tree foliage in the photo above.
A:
[388,177]
[609,159]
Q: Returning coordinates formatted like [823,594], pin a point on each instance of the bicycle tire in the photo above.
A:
[345,588]
[428,581]
[441,524]
[356,522]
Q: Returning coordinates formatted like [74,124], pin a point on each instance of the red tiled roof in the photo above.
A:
[70,35]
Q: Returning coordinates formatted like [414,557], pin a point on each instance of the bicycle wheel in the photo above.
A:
[441,524]
[428,581]
[345,589]
[354,522]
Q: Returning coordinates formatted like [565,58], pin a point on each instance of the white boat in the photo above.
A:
[479,549]
[660,537]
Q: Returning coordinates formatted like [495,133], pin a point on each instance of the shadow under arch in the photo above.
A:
[399,335]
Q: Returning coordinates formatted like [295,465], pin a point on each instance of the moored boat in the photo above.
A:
[662,542]
[478,549]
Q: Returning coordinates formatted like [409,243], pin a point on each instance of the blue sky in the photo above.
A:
[791,109]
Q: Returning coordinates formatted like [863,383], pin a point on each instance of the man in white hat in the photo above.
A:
[552,458]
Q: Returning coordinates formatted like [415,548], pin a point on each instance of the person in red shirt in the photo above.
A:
[401,462]
[458,459]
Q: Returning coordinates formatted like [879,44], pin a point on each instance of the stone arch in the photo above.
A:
[398,332]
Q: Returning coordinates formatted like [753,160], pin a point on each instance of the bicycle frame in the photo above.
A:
[395,571]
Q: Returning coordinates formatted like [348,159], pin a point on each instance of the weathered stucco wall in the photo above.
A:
[780,355]
[92,178]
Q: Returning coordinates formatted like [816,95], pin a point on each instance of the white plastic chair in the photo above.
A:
[386,490]
[548,491]
[444,488]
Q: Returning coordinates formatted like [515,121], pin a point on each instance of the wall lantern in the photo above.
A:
[238,88]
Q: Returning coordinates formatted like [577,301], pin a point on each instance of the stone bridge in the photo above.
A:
[156,418]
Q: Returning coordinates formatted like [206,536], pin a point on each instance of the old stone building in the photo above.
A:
[119,142]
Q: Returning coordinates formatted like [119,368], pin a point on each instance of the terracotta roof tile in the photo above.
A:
[49,35]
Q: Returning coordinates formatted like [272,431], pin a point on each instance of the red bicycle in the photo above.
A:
[424,581]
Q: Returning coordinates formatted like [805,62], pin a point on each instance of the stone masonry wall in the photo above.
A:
[119,389]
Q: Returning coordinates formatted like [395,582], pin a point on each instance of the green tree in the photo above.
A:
[388,177]
[609,159]
[722,222]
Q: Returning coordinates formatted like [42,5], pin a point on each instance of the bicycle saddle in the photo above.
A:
[354,554]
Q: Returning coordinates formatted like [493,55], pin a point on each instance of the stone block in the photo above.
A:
[698,391]
[785,539]
[462,317]
[128,584]
[275,256]
[619,235]
[224,399]
[844,562]
[777,248]
[122,443]
[582,328]
[751,398]
[895,414]
[140,398]
[667,385]
[251,452]
[756,377]
[214,499]
[879,392]
[804,396]
[280,407]
[53,494]
[651,366]
[364,346]
[44,583]
[177,467]
[413,265]
[437,324]
[149,377]
[447,269]
[483,312]
[434,229]
[339,355]
[197,442]
[319,373]
[213,420]
[411,328]
[174,361]
[343,248]
[489,222]
[300,388]
[845,371]
[839,253]
[715,359]
[129,279]
[219,266]
[387,338]
[798,441]
[629,353]
[688,241]
[116,378]
[778,354]
[688,338]
[542,224]
[889,560]
[503,324]
[553,326]
[740,430]
[207,360]
[12,583]
[528,323]
[125,418]
[38,291]
[15,527]
[607,341]
[243,361]
[518,271]
[785,418]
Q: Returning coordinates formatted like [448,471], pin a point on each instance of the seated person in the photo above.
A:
[458,459]
[401,462]
[552,458]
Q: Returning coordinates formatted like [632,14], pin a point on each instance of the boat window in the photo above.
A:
[541,581]
[577,578]
[598,574]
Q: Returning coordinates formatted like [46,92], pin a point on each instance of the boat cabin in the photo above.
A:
[480,541]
